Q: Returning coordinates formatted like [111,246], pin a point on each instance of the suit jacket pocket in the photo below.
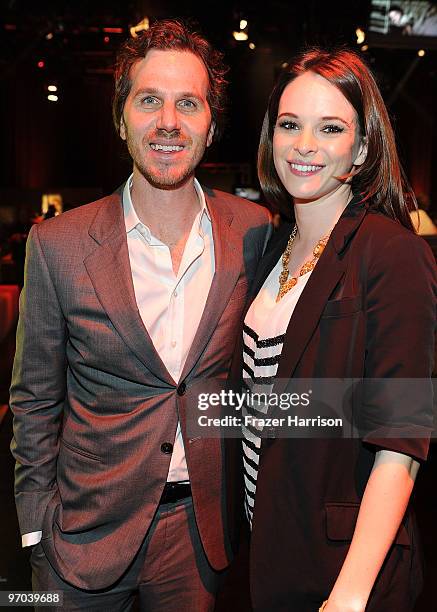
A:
[341,518]
[344,307]
[79,451]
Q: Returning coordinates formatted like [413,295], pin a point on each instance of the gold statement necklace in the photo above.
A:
[285,283]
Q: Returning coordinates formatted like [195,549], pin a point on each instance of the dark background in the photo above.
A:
[71,147]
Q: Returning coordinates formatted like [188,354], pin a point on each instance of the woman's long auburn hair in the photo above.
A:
[380,180]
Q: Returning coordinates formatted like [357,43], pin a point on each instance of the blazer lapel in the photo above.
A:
[309,307]
[110,273]
[320,285]
[228,262]
[274,250]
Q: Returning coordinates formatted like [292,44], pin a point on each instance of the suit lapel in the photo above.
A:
[228,262]
[110,273]
[319,287]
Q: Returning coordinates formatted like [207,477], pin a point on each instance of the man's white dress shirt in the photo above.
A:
[170,305]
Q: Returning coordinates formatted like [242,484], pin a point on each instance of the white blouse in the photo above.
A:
[263,336]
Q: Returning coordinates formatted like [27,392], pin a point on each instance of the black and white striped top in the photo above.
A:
[263,337]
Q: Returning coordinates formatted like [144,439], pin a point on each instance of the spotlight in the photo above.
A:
[252,46]
[421,52]
[52,98]
[52,88]
[142,25]
[243,24]
[361,36]
[240,36]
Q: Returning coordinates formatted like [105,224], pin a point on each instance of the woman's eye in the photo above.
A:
[332,129]
[288,125]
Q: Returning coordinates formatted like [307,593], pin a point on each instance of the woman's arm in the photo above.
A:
[397,416]
[382,509]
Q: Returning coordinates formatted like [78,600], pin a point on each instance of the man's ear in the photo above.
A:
[210,134]
[362,152]
[122,131]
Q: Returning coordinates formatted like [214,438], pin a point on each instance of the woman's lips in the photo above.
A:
[304,169]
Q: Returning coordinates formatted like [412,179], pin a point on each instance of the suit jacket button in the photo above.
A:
[166,448]
[181,389]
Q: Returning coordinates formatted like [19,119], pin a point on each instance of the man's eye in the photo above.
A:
[332,129]
[149,100]
[288,125]
[187,104]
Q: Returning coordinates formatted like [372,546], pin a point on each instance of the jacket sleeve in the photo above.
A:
[397,411]
[38,388]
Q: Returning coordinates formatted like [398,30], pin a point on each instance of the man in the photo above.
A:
[400,22]
[131,303]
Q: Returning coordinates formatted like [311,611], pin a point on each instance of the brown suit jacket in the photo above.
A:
[367,312]
[93,401]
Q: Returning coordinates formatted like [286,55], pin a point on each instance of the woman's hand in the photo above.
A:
[343,606]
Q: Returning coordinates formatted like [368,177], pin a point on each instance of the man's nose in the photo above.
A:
[168,119]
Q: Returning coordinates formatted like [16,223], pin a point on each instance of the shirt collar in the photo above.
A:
[131,219]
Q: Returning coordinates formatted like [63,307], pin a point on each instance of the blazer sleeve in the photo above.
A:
[38,388]
[397,411]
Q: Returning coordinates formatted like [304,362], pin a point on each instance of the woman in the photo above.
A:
[346,290]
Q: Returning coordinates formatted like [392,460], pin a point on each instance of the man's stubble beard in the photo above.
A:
[165,178]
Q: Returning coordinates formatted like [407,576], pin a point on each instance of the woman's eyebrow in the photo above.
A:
[327,118]
[336,118]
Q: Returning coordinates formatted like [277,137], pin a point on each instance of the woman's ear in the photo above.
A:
[360,157]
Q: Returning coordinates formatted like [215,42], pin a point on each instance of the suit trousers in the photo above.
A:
[170,572]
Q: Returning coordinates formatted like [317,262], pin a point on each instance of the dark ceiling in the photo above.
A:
[78,35]
[70,39]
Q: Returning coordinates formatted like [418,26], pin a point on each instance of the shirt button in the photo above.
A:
[166,448]
[173,343]
[181,389]
[175,293]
